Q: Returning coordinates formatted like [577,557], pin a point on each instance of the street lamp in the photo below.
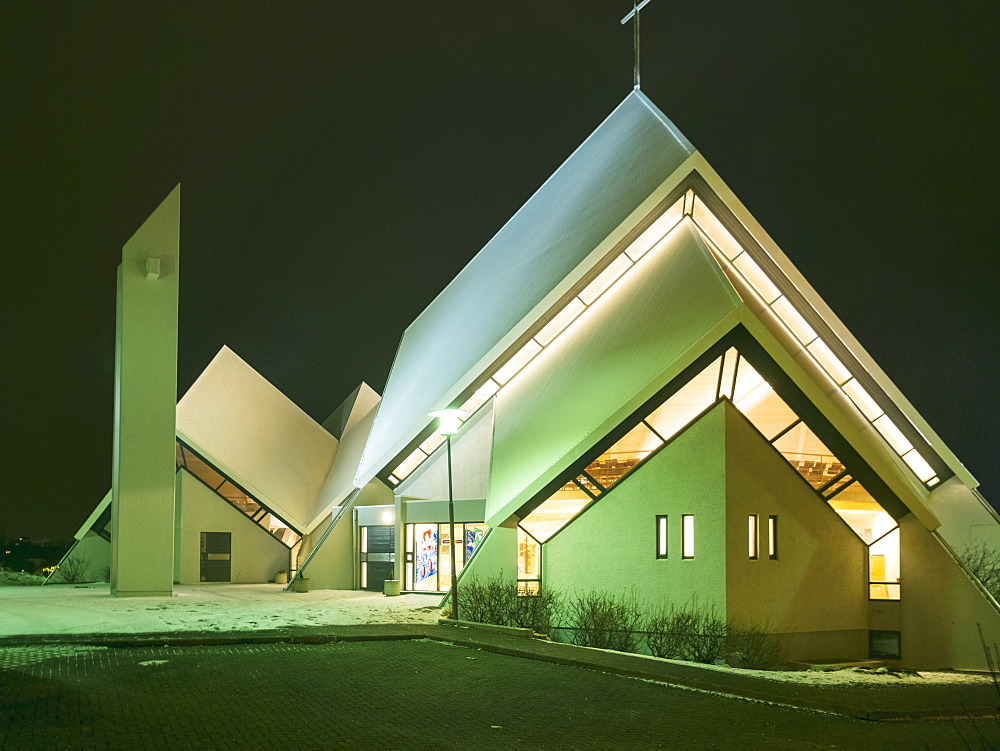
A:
[449,421]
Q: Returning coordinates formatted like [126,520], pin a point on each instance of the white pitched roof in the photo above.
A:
[499,293]
[257,436]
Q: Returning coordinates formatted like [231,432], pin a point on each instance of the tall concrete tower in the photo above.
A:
[142,546]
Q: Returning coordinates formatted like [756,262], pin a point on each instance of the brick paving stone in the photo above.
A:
[413,694]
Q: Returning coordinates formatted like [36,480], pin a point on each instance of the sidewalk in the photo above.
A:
[906,700]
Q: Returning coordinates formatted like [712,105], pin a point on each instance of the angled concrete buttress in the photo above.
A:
[142,546]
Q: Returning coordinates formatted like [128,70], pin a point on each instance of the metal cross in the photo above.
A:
[636,7]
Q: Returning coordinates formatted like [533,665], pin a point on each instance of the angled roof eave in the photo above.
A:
[513,279]
[285,513]
[853,428]
[339,482]
[726,195]
[94,516]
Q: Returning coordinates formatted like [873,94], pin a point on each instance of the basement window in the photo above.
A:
[883,645]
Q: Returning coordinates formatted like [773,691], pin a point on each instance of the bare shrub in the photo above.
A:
[487,601]
[700,634]
[601,620]
[535,611]
[753,646]
[693,633]
[497,601]
[983,561]
[72,570]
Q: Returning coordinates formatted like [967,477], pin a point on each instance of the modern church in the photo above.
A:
[655,402]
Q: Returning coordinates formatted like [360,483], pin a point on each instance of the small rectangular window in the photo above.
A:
[752,536]
[687,535]
[772,537]
[661,536]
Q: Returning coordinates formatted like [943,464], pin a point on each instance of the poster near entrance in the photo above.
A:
[426,553]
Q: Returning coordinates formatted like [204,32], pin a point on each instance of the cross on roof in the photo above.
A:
[636,7]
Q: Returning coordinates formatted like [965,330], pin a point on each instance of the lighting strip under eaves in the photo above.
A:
[726,246]
[617,269]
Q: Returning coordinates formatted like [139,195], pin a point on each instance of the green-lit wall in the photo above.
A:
[611,546]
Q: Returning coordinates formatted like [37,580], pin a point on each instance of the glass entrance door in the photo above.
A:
[428,554]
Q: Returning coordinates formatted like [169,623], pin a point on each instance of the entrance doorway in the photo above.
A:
[428,553]
[216,556]
[378,559]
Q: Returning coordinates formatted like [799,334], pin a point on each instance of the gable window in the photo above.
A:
[661,536]
[752,536]
[687,535]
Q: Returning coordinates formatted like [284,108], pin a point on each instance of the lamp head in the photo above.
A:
[449,420]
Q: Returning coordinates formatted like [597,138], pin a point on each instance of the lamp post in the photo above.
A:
[449,421]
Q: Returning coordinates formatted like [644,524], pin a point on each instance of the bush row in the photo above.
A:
[693,632]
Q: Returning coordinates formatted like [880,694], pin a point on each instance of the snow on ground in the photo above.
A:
[849,676]
[19,579]
[90,609]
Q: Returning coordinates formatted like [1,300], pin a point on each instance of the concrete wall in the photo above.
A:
[256,554]
[142,546]
[940,607]
[610,547]
[817,587]
[335,565]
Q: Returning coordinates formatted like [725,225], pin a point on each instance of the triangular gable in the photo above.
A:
[258,437]
[497,295]
[619,352]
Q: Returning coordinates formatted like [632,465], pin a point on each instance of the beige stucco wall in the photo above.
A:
[817,585]
[610,547]
[256,555]
[335,564]
[940,606]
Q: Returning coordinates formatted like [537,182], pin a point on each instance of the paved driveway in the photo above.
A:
[395,694]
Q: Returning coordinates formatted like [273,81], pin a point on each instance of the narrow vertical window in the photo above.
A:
[687,535]
[772,537]
[752,536]
[661,536]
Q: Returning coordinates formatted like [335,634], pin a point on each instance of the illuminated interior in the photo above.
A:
[556,512]
[428,553]
[529,562]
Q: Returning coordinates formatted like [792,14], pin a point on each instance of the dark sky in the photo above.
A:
[340,163]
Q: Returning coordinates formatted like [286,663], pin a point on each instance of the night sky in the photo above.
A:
[341,162]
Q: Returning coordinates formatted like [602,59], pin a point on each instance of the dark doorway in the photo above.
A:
[378,547]
[216,556]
